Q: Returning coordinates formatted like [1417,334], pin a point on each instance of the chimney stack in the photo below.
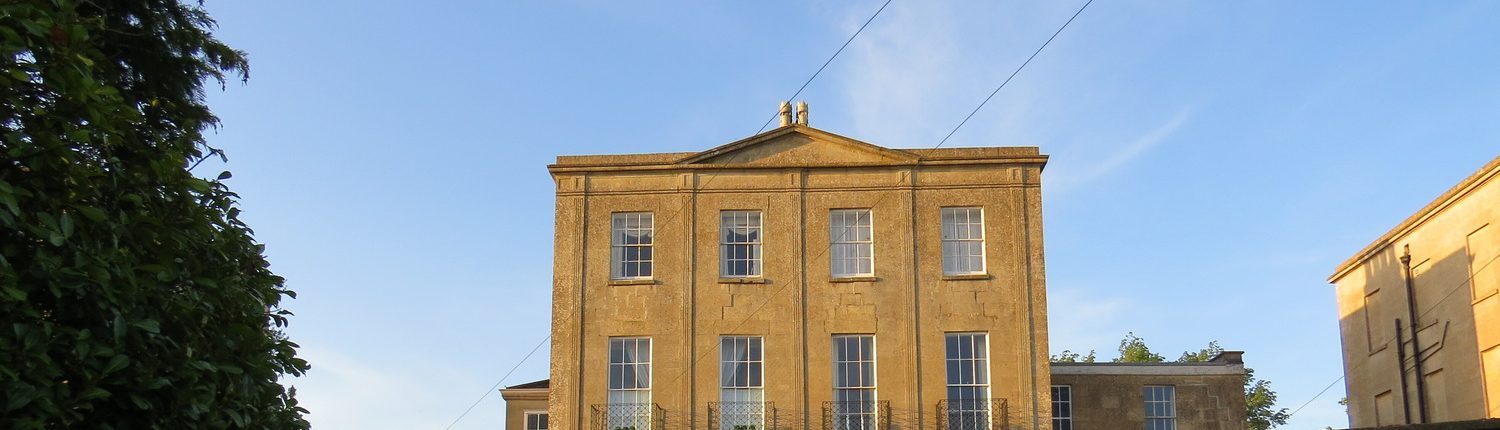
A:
[786,114]
[802,113]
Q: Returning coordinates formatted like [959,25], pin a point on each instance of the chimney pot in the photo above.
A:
[786,113]
[802,113]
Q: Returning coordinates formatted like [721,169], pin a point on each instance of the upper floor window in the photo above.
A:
[963,241]
[1161,407]
[739,244]
[1062,407]
[536,420]
[851,247]
[630,245]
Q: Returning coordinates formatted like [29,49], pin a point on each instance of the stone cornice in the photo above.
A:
[1447,199]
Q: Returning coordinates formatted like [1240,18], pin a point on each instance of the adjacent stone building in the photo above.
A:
[1152,396]
[799,279]
[1434,269]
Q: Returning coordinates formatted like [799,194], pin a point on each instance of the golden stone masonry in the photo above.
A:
[799,279]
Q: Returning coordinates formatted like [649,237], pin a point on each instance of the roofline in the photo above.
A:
[784,130]
[1447,199]
[1036,160]
[509,394]
[688,161]
[1150,369]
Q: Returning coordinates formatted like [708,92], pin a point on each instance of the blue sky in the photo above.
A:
[1211,161]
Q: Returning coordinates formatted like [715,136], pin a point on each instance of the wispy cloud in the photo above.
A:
[897,67]
[922,67]
[1074,175]
[1094,320]
[342,391]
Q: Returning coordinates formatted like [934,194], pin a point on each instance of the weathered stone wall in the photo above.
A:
[1212,400]
[795,178]
[1452,425]
[1453,239]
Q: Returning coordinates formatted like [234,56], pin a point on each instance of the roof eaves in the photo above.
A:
[1484,174]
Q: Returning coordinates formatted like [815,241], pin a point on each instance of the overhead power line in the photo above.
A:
[684,206]
[904,177]
[1013,74]
[825,63]
[497,384]
[1456,287]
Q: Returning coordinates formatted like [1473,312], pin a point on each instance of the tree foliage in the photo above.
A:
[1260,400]
[1068,356]
[1133,349]
[132,296]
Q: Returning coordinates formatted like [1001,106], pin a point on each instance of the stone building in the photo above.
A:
[1431,273]
[1152,396]
[799,279]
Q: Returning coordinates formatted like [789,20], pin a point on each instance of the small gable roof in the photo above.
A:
[786,140]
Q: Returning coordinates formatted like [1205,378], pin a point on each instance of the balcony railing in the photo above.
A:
[742,416]
[973,414]
[874,415]
[629,416]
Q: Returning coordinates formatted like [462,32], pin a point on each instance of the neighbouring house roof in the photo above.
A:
[545,383]
[1225,363]
[1412,222]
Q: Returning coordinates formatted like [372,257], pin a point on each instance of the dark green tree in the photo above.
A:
[1260,400]
[132,296]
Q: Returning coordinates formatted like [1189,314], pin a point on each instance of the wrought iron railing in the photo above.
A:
[973,414]
[742,416]
[874,415]
[629,416]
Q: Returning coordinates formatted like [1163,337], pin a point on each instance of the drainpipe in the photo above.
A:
[1416,345]
[1401,369]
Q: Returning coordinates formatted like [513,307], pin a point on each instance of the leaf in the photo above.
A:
[94,393]
[13,293]
[199,185]
[92,213]
[148,325]
[225,175]
[116,363]
[239,419]
[66,224]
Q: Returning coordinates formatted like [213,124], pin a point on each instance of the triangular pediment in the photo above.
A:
[799,146]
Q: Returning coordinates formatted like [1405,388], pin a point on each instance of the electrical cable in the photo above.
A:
[1467,281]
[684,206]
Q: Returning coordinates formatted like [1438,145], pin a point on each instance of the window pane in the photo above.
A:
[850,243]
[630,245]
[963,240]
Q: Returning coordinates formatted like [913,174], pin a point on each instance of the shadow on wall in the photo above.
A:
[1493,424]
[1449,348]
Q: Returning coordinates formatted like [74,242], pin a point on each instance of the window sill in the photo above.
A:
[614,282]
[969,277]
[754,280]
[854,279]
